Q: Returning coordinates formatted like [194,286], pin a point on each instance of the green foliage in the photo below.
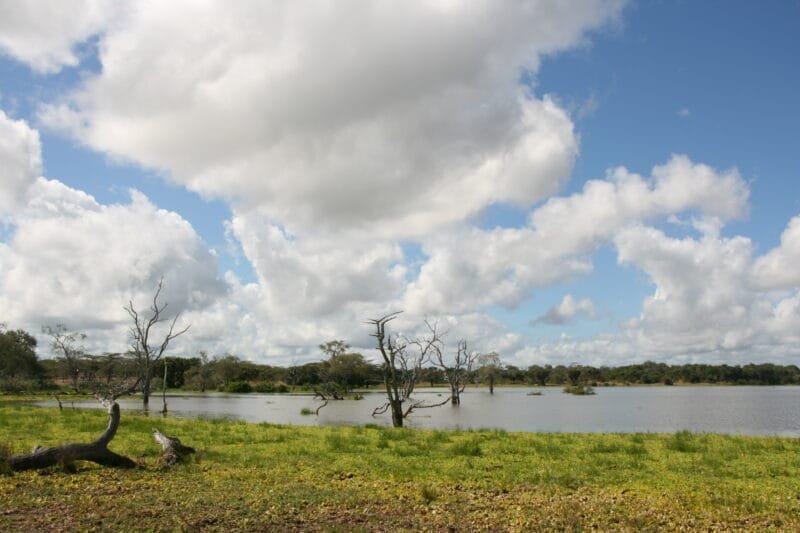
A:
[681,441]
[272,477]
[236,387]
[270,387]
[467,448]
[579,390]
[306,411]
[17,354]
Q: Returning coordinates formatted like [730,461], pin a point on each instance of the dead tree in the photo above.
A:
[147,354]
[401,368]
[64,455]
[457,373]
[172,450]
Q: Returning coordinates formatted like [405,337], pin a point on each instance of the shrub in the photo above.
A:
[579,390]
[270,387]
[237,386]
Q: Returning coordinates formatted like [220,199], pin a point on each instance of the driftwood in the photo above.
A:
[66,454]
[172,450]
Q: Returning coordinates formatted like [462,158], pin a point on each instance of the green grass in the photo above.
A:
[269,477]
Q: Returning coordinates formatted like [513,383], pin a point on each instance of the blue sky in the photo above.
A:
[320,166]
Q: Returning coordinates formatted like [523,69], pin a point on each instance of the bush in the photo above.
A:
[269,387]
[579,390]
[236,386]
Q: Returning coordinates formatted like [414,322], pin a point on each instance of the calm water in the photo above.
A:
[732,410]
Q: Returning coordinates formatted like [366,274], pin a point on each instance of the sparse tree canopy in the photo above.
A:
[458,370]
[65,343]
[146,352]
[490,368]
[402,366]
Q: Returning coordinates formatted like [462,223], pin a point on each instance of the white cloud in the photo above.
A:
[684,113]
[702,301]
[780,267]
[360,115]
[713,302]
[567,310]
[20,162]
[77,262]
[475,268]
[318,274]
[44,33]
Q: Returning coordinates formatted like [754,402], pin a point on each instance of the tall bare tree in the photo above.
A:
[65,343]
[147,352]
[458,371]
[402,367]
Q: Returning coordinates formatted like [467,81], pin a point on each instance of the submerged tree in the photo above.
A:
[402,367]
[147,353]
[490,367]
[457,372]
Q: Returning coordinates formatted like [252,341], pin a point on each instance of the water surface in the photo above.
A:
[738,410]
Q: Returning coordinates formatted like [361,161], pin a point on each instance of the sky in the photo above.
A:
[596,181]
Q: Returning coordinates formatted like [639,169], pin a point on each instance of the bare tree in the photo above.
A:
[457,372]
[148,354]
[65,343]
[402,366]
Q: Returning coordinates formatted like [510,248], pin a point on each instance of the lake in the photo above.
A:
[740,410]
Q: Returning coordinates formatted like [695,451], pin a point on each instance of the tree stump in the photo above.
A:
[172,450]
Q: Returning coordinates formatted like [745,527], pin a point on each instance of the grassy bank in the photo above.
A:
[252,477]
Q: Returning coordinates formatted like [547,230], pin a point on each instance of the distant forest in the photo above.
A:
[21,369]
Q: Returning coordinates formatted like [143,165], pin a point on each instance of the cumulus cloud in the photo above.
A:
[72,260]
[713,301]
[20,163]
[778,269]
[357,115]
[479,268]
[44,33]
[566,311]
[318,274]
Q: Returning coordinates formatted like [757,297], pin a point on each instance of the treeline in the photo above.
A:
[21,369]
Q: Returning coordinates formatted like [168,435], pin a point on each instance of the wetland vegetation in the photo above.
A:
[259,476]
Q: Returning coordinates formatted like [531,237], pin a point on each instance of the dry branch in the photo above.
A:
[66,454]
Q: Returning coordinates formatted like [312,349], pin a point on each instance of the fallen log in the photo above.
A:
[172,450]
[66,454]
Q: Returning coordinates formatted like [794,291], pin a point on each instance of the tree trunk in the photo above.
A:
[96,451]
[148,376]
[172,450]
[397,413]
[455,396]
[491,384]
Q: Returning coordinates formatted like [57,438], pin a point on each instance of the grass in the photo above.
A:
[269,477]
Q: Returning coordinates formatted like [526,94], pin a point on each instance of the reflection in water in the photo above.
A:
[731,410]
